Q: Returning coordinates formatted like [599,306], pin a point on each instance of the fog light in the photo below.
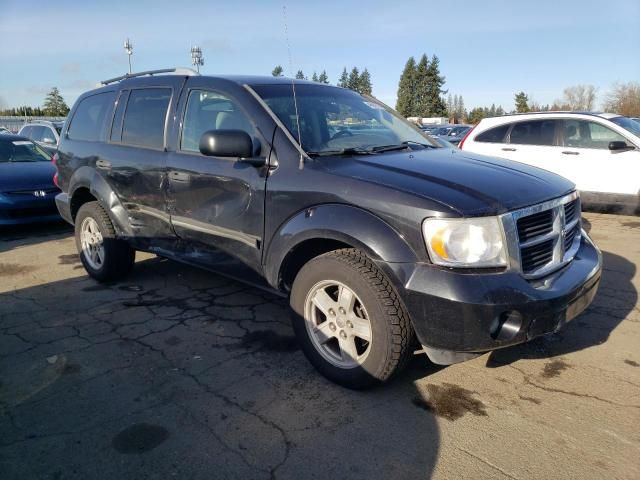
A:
[506,326]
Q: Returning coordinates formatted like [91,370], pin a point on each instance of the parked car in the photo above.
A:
[4,131]
[457,133]
[376,235]
[43,132]
[593,150]
[443,143]
[27,191]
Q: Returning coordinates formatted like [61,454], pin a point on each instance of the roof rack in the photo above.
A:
[178,71]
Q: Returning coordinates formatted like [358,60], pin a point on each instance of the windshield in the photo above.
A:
[337,120]
[628,124]
[21,151]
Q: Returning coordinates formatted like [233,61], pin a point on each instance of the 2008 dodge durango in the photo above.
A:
[378,236]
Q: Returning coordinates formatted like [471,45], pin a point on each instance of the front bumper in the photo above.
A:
[463,313]
[23,209]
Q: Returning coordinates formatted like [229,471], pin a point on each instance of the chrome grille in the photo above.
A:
[544,237]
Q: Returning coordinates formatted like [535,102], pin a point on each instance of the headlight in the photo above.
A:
[465,242]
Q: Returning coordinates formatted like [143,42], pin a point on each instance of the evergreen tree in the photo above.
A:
[421,92]
[499,111]
[492,110]
[405,101]
[314,77]
[344,78]
[354,79]
[435,82]
[521,101]
[300,75]
[365,82]
[54,104]
[277,71]
[450,107]
[323,78]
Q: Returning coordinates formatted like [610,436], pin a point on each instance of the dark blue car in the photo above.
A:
[27,191]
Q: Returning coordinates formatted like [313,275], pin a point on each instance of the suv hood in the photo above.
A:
[18,176]
[470,184]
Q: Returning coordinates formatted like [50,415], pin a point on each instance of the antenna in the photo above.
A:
[293,83]
[128,47]
[196,57]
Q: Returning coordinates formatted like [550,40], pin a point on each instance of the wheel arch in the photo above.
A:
[324,228]
[87,185]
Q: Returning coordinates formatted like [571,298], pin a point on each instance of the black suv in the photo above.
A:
[375,233]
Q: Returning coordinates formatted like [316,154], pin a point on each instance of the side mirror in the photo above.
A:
[619,146]
[226,143]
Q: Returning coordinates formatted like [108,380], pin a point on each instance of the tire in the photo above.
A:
[116,258]
[390,332]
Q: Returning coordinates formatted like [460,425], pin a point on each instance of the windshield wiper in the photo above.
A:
[399,146]
[342,151]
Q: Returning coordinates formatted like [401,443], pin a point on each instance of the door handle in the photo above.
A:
[569,152]
[508,149]
[103,164]
[178,176]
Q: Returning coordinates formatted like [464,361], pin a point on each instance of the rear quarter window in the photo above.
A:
[493,135]
[90,118]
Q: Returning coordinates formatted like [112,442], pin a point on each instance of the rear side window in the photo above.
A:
[493,135]
[144,118]
[26,131]
[535,132]
[89,119]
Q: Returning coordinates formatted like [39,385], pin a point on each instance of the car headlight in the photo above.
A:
[465,242]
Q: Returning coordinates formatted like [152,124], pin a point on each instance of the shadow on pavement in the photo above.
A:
[22,235]
[616,298]
[177,372]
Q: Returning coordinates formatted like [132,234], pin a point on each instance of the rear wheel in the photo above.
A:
[349,320]
[105,257]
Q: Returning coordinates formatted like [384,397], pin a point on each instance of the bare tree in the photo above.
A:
[578,97]
[624,98]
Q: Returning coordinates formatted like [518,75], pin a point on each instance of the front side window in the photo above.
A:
[208,110]
[332,119]
[586,134]
[534,132]
[89,118]
[145,116]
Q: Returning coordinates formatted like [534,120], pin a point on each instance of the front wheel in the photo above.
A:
[105,257]
[349,320]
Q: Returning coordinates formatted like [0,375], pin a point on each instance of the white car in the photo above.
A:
[599,152]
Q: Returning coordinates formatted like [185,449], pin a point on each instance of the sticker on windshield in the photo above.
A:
[373,105]
[21,142]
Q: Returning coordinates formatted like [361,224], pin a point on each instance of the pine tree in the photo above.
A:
[492,110]
[435,82]
[354,79]
[421,92]
[314,77]
[499,111]
[300,75]
[450,107]
[54,104]
[405,101]
[323,78]
[344,78]
[277,71]
[364,86]
[521,101]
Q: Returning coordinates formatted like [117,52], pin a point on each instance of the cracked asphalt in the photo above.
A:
[179,373]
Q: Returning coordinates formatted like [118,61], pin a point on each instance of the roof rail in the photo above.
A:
[177,71]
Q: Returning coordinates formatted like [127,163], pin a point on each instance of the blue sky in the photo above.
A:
[488,49]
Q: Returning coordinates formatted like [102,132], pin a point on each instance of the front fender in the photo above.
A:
[344,223]
[87,177]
